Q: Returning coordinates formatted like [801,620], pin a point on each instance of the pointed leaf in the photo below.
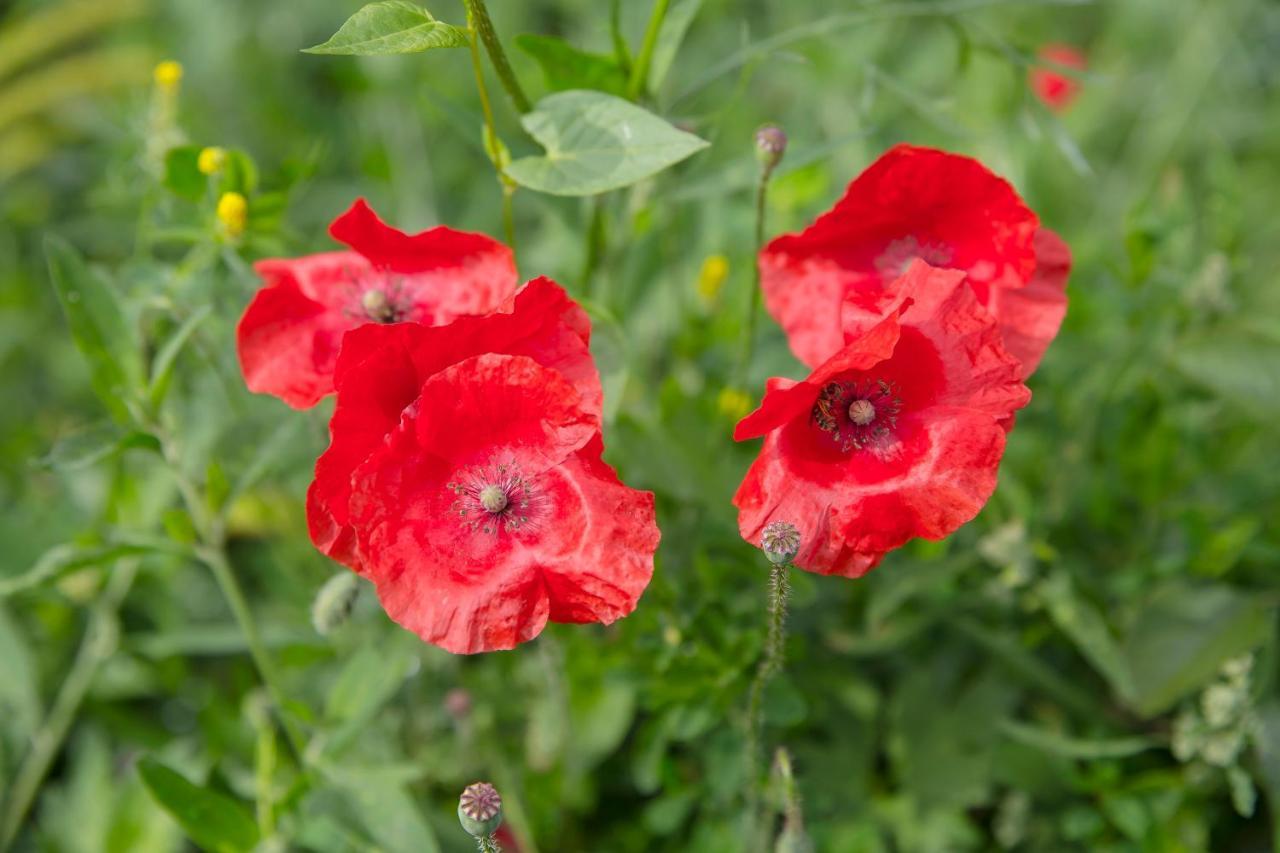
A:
[596,142]
[393,26]
[212,820]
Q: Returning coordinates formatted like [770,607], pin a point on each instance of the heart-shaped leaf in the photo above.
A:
[392,26]
[595,143]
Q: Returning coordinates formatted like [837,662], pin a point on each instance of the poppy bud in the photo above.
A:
[771,144]
[780,542]
[458,703]
[334,601]
[480,809]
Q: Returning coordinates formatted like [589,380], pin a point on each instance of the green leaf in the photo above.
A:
[1056,743]
[1235,364]
[61,560]
[239,173]
[1083,623]
[394,26]
[93,444]
[212,820]
[162,365]
[19,691]
[674,27]
[98,326]
[595,143]
[565,67]
[370,678]
[182,175]
[1183,636]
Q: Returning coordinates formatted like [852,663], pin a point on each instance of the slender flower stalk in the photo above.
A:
[492,145]
[780,543]
[638,83]
[771,144]
[478,16]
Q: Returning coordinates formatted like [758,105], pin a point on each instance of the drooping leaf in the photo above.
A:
[392,26]
[595,143]
[98,325]
[567,67]
[212,820]
[1066,746]
[1183,636]
[1084,624]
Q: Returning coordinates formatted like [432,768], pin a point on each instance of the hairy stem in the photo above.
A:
[99,642]
[488,844]
[478,15]
[770,664]
[639,80]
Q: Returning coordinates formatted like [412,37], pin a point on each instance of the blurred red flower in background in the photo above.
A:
[898,434]
[289,336]
[830,282]
[464,477]
[1056,89]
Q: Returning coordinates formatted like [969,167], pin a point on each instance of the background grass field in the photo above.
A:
[1049,678]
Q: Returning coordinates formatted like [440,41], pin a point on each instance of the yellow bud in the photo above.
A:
[734,404]
[211,160]
[168,74]
[715,269]
[233,213]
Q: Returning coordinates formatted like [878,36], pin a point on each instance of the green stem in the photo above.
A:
[478,15]
[597,238]
[215,558]
[770,664]
[639,81]
[488,844]
[753,306]
[99,642]
[491,139]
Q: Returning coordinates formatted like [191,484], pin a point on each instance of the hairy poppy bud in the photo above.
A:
[771,144]
[780,542]
[480,809]
[334,601]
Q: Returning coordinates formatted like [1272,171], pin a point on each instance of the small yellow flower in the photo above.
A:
[734,404]
[233,213]
[715,269]
[168,75]
[210,160]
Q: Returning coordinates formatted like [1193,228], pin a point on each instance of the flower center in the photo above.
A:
[854,414]
[494,497]
[899,254]
[862,412]
[378,307]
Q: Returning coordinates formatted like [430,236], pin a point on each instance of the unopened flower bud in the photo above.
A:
[233,213]
[458,703]
[771,144]
[210,160]
[334,601]
[168,75]
[480,809]
[780,542]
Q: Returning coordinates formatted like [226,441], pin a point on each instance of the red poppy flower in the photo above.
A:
[830,281]
[488,511]
[1050,85]
[381,370]
[896,435]
[289,336]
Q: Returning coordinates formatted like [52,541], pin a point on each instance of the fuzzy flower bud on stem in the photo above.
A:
[333,603]
[771,144]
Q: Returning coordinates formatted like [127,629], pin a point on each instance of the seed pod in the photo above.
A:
[480,809]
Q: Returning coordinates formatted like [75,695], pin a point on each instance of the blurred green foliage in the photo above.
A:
[1091,664]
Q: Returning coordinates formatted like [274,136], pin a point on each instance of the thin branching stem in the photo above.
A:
[770,664]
